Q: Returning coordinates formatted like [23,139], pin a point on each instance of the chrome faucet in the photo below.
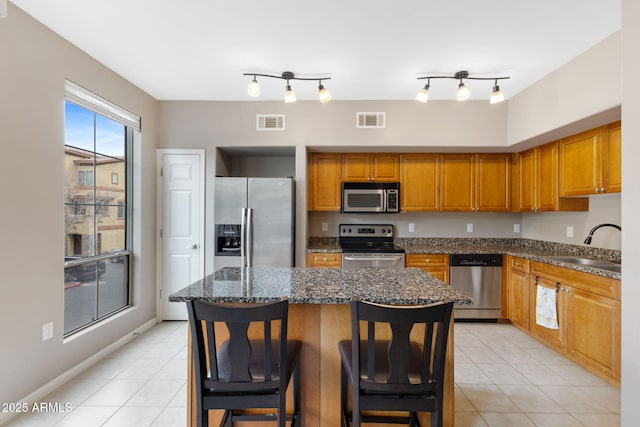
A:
[587,241]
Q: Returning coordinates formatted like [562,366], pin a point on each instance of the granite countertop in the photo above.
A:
[320,286]
[533,250]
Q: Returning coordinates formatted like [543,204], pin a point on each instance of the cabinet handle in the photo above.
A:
[427,260]
[565,290]
[517,264]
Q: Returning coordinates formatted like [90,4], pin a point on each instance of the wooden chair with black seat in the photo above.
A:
[240,372]
[392,369]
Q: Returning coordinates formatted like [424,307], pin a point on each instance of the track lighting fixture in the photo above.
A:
[463,91]
[289,95]
[423,94]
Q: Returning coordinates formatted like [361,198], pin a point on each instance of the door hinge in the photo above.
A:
[161,172]
[160,293]
[161,233]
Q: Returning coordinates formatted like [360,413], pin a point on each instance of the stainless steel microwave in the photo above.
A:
[371,197]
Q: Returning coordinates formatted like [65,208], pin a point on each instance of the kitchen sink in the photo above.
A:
[591,262]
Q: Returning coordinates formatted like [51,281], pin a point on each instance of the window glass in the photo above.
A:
[96,223]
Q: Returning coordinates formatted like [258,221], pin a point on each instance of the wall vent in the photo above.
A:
[269,121]
[370,120]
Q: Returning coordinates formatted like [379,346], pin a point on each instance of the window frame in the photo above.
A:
[87,100]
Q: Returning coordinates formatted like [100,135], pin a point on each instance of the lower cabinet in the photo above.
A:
[324,260]
[518,292]
[588,312]
[436,265]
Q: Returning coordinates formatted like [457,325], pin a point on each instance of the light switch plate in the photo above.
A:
[516,228]
[47,331]
[412,227]
[325,226]
[469,228]
[569,231]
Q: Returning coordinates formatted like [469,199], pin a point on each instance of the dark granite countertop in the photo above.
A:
[533,250]
[320,286]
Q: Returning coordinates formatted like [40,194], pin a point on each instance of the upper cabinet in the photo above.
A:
[590,162]
[420,177]
[359,167]
[476,182]
[536,182]
[324,190]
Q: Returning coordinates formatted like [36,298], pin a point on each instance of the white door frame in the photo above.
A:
[160,217]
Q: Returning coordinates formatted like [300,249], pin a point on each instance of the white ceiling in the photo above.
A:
[372,49]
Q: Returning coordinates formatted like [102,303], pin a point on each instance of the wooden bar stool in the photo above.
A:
[399,374]
[242,373]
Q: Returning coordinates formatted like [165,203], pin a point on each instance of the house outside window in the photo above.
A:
[97,198]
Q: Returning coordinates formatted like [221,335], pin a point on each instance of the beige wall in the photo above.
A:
[630,209]
[33,67]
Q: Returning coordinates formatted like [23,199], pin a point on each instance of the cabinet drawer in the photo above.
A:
[519,263]
[427,260]
[324,260]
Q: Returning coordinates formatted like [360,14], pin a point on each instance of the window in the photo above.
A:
[97,198]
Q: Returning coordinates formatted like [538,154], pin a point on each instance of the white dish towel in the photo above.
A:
[546,312]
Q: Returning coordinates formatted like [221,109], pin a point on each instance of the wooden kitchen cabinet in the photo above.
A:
[518,292]
[324,260]
[554,338]
[588,316]
[590,162]
[536,182]
[325,182]
[359,167]
[476,182]
[435,264]
[419,182]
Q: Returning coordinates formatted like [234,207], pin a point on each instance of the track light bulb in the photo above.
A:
[496,95]
[423,94]
[463,92]
[289,96]
[254,88]
[325,96]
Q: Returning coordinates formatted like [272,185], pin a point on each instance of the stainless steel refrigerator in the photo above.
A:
[254,220]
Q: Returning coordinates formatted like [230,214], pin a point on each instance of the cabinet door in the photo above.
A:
[458,182]
[385,167]
[325,182]
[555,338]
[493,182]
[612,172]
[435,264]
[419,182]
[527,166]
[518,298]
[547,177]
[594,331]
[356,167]
[580,170]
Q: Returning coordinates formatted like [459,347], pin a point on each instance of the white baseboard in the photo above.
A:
[43,391]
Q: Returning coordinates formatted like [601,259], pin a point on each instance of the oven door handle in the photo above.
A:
[373,258]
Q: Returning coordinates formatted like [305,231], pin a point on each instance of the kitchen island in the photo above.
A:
[319,317]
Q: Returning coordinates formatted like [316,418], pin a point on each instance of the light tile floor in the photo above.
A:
[503,378]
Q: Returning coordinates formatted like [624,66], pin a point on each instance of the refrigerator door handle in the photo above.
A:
[243,240]
[249,237]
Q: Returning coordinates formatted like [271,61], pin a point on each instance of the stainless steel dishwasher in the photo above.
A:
[480,277]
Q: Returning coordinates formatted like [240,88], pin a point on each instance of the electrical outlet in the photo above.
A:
[325,226]
[570,231]
[469,228]
[47,331]
[516,228]
[412,227]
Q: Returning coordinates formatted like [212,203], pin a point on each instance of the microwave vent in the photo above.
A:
[370,120]
[269,121]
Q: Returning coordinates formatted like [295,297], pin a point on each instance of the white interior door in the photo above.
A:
[182,227]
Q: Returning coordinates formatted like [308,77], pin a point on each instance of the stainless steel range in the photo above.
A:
[369,245]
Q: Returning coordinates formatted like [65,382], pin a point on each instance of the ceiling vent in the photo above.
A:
[269,121]
[370,120]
